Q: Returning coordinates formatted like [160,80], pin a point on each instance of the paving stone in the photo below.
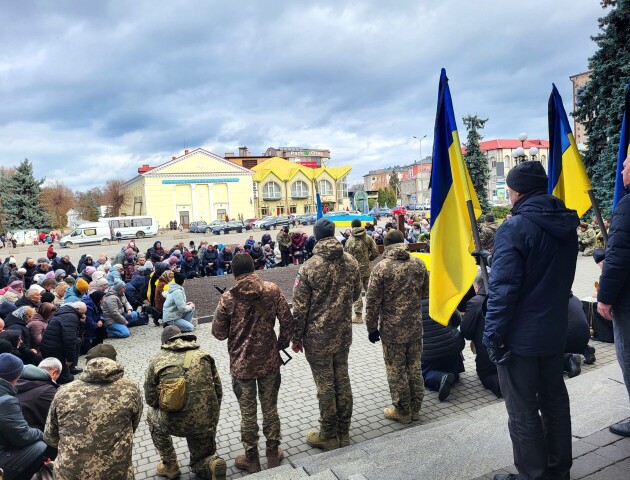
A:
[601,438]
[588,464]
[614,452]
[612,472]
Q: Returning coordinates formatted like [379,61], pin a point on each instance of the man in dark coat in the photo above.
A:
[533,267]
[66,265]
[61,339]
[613,296]
[209,262]
[36,389]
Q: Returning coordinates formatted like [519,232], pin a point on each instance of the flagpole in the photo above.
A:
[598,215]
[475,232]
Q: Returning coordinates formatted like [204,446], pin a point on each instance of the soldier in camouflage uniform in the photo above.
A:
[397,286]
[323,293]
[487,232]
[587,239]
[92,421]
[246,316]
[197,421]
[363,249]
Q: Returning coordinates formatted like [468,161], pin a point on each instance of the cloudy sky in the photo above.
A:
[91,90]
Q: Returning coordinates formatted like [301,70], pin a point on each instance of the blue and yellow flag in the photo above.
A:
[453,269]
[320,209]
[568,179]
[624,150]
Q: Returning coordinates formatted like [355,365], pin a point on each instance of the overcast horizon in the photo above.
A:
[92,90]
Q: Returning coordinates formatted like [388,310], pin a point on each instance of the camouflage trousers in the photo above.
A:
[202,446]
[358,305]
[245,391]
[402,364]
[334,393]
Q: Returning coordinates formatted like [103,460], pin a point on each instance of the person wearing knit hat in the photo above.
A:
[10,367]
[103,350]
[82,286]
[148,265]
[168,332]
[90,271]
[242,264]
[323,228]
[60,274]
[118,284]
[50,274]
[528,177]
[392,237]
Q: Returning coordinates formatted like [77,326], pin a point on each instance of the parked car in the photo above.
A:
[307,219]
[233,226]
[198,227]
[278,222]
[264,219]
[249,223]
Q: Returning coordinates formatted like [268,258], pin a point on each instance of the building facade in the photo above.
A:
[579,82]
[198,185]
[282,187]
[308,157]
[414,186]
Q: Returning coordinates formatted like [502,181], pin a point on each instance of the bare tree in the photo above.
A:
[114,196]
[57,199]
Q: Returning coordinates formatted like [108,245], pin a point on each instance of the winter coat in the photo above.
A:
[210,256]
[16,321]
[19,443]
[26,302]
[129,266]
[114,307]
[112,276]
[258,256]
[160,290]
[36,390]
[66,267]
[190,266]
[297,242]
[439,341]
[175,305]
[72,295]
[36,328]
[533,267]
[283,240]
[93,315]
[28,276]
[155,250]
[225,258]
[265,239]
[614,282]
[363,249]
[246,316]
[472,327]
[133,290]
[60,337]
[112,406]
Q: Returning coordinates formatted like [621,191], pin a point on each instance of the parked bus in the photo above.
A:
[131,227]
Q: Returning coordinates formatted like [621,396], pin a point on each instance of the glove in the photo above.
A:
[478,254]
[499,356]
[374,336]
[283,344]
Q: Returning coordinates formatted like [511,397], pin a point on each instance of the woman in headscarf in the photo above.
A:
[14,291]
[161,290]
[18,320]
[60,292]
[39,322]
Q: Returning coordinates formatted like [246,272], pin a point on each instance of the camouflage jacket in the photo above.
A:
[203,387]
[246,316]
[283,240]
[92,421]
[486,235]
[362,248]
[587,237]
[323,293]
[397,285]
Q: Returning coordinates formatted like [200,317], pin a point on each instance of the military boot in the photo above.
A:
[218,468]
[357,318]
[250,462]
[274,456]
[392,414]
[415,416]
[344,439]
[315,440]
[169,470]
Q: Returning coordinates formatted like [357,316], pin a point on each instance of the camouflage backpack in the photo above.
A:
[172,390]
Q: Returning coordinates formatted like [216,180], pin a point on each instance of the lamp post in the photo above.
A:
[520,154]
[421,179]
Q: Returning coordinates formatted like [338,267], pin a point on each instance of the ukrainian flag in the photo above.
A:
[568,179]
[624,150]
[453,269]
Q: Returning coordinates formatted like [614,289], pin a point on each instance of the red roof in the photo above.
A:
[510,144]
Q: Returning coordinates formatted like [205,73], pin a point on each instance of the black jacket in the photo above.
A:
[60,337]
[35,397]
[210,256]
[473,323]
[533,266]
[614,282]
[14,323]
[440,341]
[24,301]
[66,267]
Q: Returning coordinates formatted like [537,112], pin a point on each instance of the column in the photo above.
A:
[227,186]
[211,199]
[176,217]
[193,202]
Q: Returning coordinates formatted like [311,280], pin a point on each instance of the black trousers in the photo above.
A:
[537,403]
[286,259]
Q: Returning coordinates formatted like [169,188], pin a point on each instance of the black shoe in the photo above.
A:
[575,368]
[622,429]
[448,379]
[75,370]
[589,355]
[506,476]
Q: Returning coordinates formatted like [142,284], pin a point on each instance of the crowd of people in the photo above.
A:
[53,312]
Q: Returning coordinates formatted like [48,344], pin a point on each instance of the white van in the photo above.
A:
[87,234]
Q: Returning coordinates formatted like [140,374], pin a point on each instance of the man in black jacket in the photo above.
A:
[36,389]
[533,267]
[613,296]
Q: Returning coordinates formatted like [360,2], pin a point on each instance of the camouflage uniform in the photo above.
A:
[486,235]
[246,316]
[363,249]
[92,421]
[587,240]
[397,286]
[323,293]
[197,421]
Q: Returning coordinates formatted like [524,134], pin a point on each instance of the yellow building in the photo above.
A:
[198,185]
[282,187]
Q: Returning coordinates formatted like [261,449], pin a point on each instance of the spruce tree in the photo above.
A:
[600,105]
[476,160]
[20,200]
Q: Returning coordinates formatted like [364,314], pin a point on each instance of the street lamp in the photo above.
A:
[519,153]
[421,180]
[420,140]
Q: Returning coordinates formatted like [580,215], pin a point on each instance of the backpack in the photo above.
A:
[172,391]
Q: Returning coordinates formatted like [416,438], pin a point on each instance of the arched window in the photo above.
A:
[325,187]
[272,191]
[299,189]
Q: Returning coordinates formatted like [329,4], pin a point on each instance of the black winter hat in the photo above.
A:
[323,228]
[241,264]
[179,278]
[97,296]
[392,237]
[6,307]
[599,254]
[528,177]
[48,297]
[356,223]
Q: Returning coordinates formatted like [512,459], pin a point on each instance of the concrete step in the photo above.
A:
[283,472]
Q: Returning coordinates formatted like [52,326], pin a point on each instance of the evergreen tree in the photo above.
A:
[386,196]
[87,204]
[20,199]
[600,104]
[476,160]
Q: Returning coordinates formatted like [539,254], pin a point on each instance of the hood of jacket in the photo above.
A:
[38,318]
[102,370]
[358,232]
[31,372]
[550,214]
[248,287]
[110,292]
[6,388]
[183,341]
[330,248]
[174,287]
[397,251]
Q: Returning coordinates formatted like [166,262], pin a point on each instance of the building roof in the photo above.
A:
[510,144]
[286,170]
[189,153]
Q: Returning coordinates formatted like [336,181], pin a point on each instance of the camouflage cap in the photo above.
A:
[102,350]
